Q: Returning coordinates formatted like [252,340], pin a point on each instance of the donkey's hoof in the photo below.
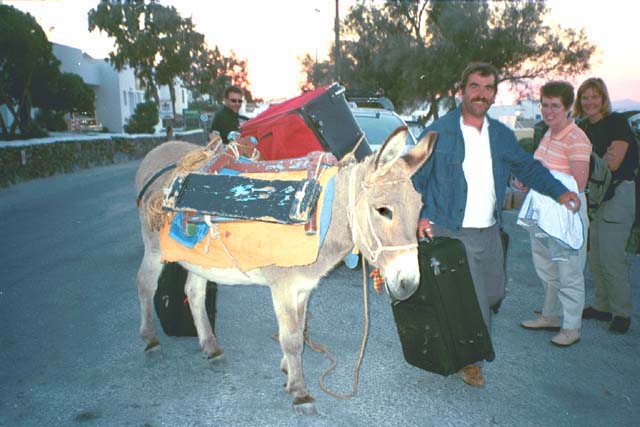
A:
[215,354]
[154,344]
[305,406]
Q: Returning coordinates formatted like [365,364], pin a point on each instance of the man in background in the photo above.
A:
[228,118]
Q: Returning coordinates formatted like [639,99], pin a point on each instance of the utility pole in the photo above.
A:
[336,53]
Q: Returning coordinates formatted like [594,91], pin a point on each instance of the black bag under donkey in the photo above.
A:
[440,326]
[172,305]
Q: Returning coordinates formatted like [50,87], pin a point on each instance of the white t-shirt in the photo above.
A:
[478,172]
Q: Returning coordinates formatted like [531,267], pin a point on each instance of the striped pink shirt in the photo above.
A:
[571,145]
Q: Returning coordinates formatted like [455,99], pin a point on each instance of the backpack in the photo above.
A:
[172,305]
[599,182]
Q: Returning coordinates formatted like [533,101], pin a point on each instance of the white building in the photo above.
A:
[117,92]
[525,113]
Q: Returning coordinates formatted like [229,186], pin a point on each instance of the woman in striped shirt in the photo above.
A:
[564,148]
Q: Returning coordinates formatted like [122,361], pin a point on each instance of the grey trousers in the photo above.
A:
[608,234]
[563,281]
[484,252]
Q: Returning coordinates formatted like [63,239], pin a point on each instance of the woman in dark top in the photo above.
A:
[613,140]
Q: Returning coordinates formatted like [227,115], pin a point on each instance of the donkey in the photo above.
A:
[375,208]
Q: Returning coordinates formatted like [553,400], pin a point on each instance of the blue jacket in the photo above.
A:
[441,179]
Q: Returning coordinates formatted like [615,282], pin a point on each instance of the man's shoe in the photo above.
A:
[592,313]
[619,324]
[543,322]
[566,337]
[472,375]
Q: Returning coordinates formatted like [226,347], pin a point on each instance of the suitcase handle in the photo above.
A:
[435,266]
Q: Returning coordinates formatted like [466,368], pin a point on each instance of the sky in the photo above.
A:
[273,35]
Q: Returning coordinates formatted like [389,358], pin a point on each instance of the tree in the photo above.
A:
[30,76]
[152,39]
[211,73]
[67,93]
[318,73]
[26,61]
[144,118]
[415,50]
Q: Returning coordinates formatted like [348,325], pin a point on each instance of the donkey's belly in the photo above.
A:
[227,276]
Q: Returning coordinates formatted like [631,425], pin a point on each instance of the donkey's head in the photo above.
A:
[385,211]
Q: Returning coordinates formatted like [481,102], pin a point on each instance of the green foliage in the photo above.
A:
[144,118]
[629,113]
[202,106]
[528,144]
[51,120]
[73,94]
[211,73]
[26,64]
[415,51]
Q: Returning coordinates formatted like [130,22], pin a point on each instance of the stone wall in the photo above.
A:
[39,158]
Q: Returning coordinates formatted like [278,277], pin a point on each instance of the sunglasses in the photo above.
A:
[235,101]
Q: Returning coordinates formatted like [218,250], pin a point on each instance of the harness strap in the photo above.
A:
[151,180]
[376,247]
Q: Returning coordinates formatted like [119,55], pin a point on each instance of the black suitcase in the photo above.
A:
[172,305]
[440,326]
[331,119]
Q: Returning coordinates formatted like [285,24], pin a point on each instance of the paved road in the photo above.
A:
[70,352]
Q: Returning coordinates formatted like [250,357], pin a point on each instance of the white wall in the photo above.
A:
[75,61]
[117,93]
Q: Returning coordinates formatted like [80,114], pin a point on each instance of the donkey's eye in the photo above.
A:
[385,212]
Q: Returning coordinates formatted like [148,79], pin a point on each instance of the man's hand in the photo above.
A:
[424,228]
[570,200]
[520,186]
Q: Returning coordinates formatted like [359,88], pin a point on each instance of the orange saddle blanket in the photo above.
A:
[247,245]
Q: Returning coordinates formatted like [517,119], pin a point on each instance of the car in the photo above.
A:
[377,124]
[415,127]
[634,122]
[368,99]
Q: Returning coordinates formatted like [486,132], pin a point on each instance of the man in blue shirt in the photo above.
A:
[463,185]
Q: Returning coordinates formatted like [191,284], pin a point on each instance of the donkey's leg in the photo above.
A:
[196,290]
[303,298]
[147,282]
[290,324]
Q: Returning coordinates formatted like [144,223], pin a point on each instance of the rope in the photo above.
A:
[189,163]
[319,348]
[154,212]
[351,155]
[213,235]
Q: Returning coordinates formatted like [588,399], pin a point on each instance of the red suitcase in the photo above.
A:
[319,120]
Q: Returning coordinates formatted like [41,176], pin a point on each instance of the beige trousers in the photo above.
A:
[563,280]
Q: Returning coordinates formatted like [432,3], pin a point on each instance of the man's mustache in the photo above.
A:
[485,100]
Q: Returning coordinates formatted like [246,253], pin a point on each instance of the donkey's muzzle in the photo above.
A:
[403,289]
[402,276]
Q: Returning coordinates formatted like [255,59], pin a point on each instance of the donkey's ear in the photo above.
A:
[391,150]
[419,154]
